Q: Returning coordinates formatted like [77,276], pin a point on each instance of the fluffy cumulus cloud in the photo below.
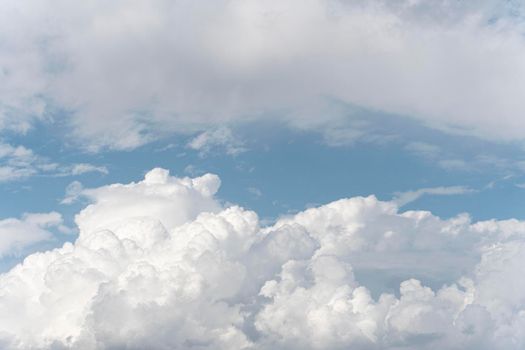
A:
[179,271]
[171,200]
[126,73]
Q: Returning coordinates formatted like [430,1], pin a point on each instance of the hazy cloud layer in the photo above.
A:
[132,71]
[180,272]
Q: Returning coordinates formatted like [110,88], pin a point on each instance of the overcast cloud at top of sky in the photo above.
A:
[129,72]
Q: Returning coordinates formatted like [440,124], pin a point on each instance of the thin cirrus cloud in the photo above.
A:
[140,277]
[403,198]
[127,73]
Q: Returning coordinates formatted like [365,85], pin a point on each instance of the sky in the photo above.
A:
[245,174]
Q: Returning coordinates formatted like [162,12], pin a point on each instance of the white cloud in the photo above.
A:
[403,198]
[170,273]
[171,200]
[82,168]
[19,163]
[218,140]
[73,192]
[32,228]
[135,71]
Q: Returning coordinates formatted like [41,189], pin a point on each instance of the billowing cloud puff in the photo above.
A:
[133,71]
[186,273]
[171,200]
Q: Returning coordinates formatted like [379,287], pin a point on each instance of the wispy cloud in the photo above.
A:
[73,192]
[217,141]
[255,192]
[82,168]
[19,163]
[403,198]
[435,154]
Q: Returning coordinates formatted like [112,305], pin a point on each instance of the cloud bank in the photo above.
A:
[160,264]
[125,74]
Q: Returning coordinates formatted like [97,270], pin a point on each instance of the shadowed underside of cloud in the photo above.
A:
[179,271]
[134,71]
